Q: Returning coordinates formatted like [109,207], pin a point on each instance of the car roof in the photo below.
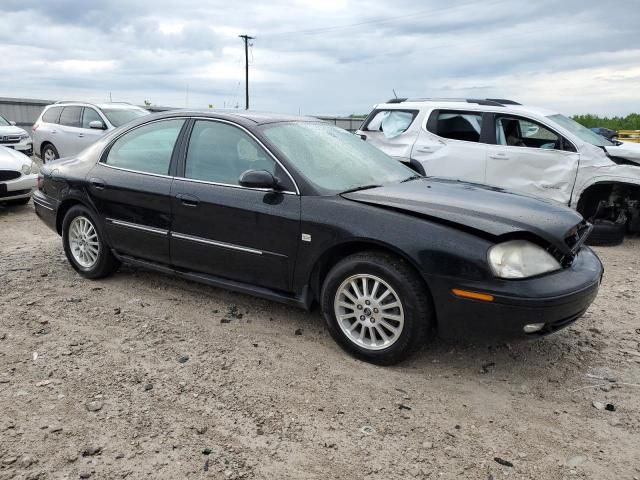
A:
[466,104]
[70,103]
[124,106]
[249,116]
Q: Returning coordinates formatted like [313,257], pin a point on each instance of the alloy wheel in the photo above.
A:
[369,312]
[84,242]
[48,155]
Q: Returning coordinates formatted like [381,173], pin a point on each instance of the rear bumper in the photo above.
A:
[46,208]
[555,300]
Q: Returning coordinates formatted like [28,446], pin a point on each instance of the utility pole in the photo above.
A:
[246,39]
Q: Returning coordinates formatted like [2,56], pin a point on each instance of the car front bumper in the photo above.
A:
[21,187]
[24,146]
[555,300]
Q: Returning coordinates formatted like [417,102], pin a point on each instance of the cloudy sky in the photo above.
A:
[324,56]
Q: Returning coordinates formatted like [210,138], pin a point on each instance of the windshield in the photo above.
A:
[3,121]
[333,159]
[120,116]
[583,133]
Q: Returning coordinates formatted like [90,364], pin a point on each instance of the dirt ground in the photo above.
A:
[146,376]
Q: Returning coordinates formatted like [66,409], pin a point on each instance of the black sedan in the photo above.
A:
[299,211]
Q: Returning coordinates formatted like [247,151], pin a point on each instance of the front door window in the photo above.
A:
[221,153]
[518,132]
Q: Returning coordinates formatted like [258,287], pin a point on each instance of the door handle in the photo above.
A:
[81,135]
[188,200]
[53,131]
[425,149]
[98,183]
[499,156]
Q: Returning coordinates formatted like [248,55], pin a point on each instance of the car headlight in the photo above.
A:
[24,136]
[29,168]
[520,259]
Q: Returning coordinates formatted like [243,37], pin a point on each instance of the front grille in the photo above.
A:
[7,139]
[6,175]
[14,193]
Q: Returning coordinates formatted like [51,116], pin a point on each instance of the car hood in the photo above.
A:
[11,159]
[485,209]
[11,130]
[627,150]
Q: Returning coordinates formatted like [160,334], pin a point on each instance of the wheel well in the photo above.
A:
[590,198]
[44,144]
[339,252]
[619,196]
[62,212]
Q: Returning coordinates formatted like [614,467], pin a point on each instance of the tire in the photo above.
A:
[49,153]
[18,201]
[607,233]
[393,274]
[99,262]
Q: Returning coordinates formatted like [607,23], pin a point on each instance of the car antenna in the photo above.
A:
[394,92]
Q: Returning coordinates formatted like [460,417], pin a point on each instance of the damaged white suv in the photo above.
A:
[524,149]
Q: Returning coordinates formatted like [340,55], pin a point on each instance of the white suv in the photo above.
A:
[66,128]
[524,149]
[14,137]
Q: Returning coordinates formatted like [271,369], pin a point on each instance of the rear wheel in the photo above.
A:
[49,153]
[84,245]
[377,307]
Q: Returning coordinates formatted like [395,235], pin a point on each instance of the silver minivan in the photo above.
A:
[66,128]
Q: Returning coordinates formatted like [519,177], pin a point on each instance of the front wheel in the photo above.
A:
[377,307]
[84,245]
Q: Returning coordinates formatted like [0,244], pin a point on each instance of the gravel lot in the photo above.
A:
[145,376]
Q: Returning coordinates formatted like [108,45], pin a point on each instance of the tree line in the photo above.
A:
[630,122]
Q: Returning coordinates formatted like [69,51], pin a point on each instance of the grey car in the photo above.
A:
[66,128]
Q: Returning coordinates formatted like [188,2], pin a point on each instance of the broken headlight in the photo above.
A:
[520,259]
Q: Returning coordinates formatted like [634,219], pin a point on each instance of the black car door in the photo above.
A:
[131,188]
[224,229]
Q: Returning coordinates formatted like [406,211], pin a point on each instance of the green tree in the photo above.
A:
[589,120]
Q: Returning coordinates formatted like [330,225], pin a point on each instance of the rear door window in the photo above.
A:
[52,115]
[147,148]
[70,116]
[391,122]
[456,125]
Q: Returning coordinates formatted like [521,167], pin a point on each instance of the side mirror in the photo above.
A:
[258,179]
[97,124]
[363,137]
[12,123]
